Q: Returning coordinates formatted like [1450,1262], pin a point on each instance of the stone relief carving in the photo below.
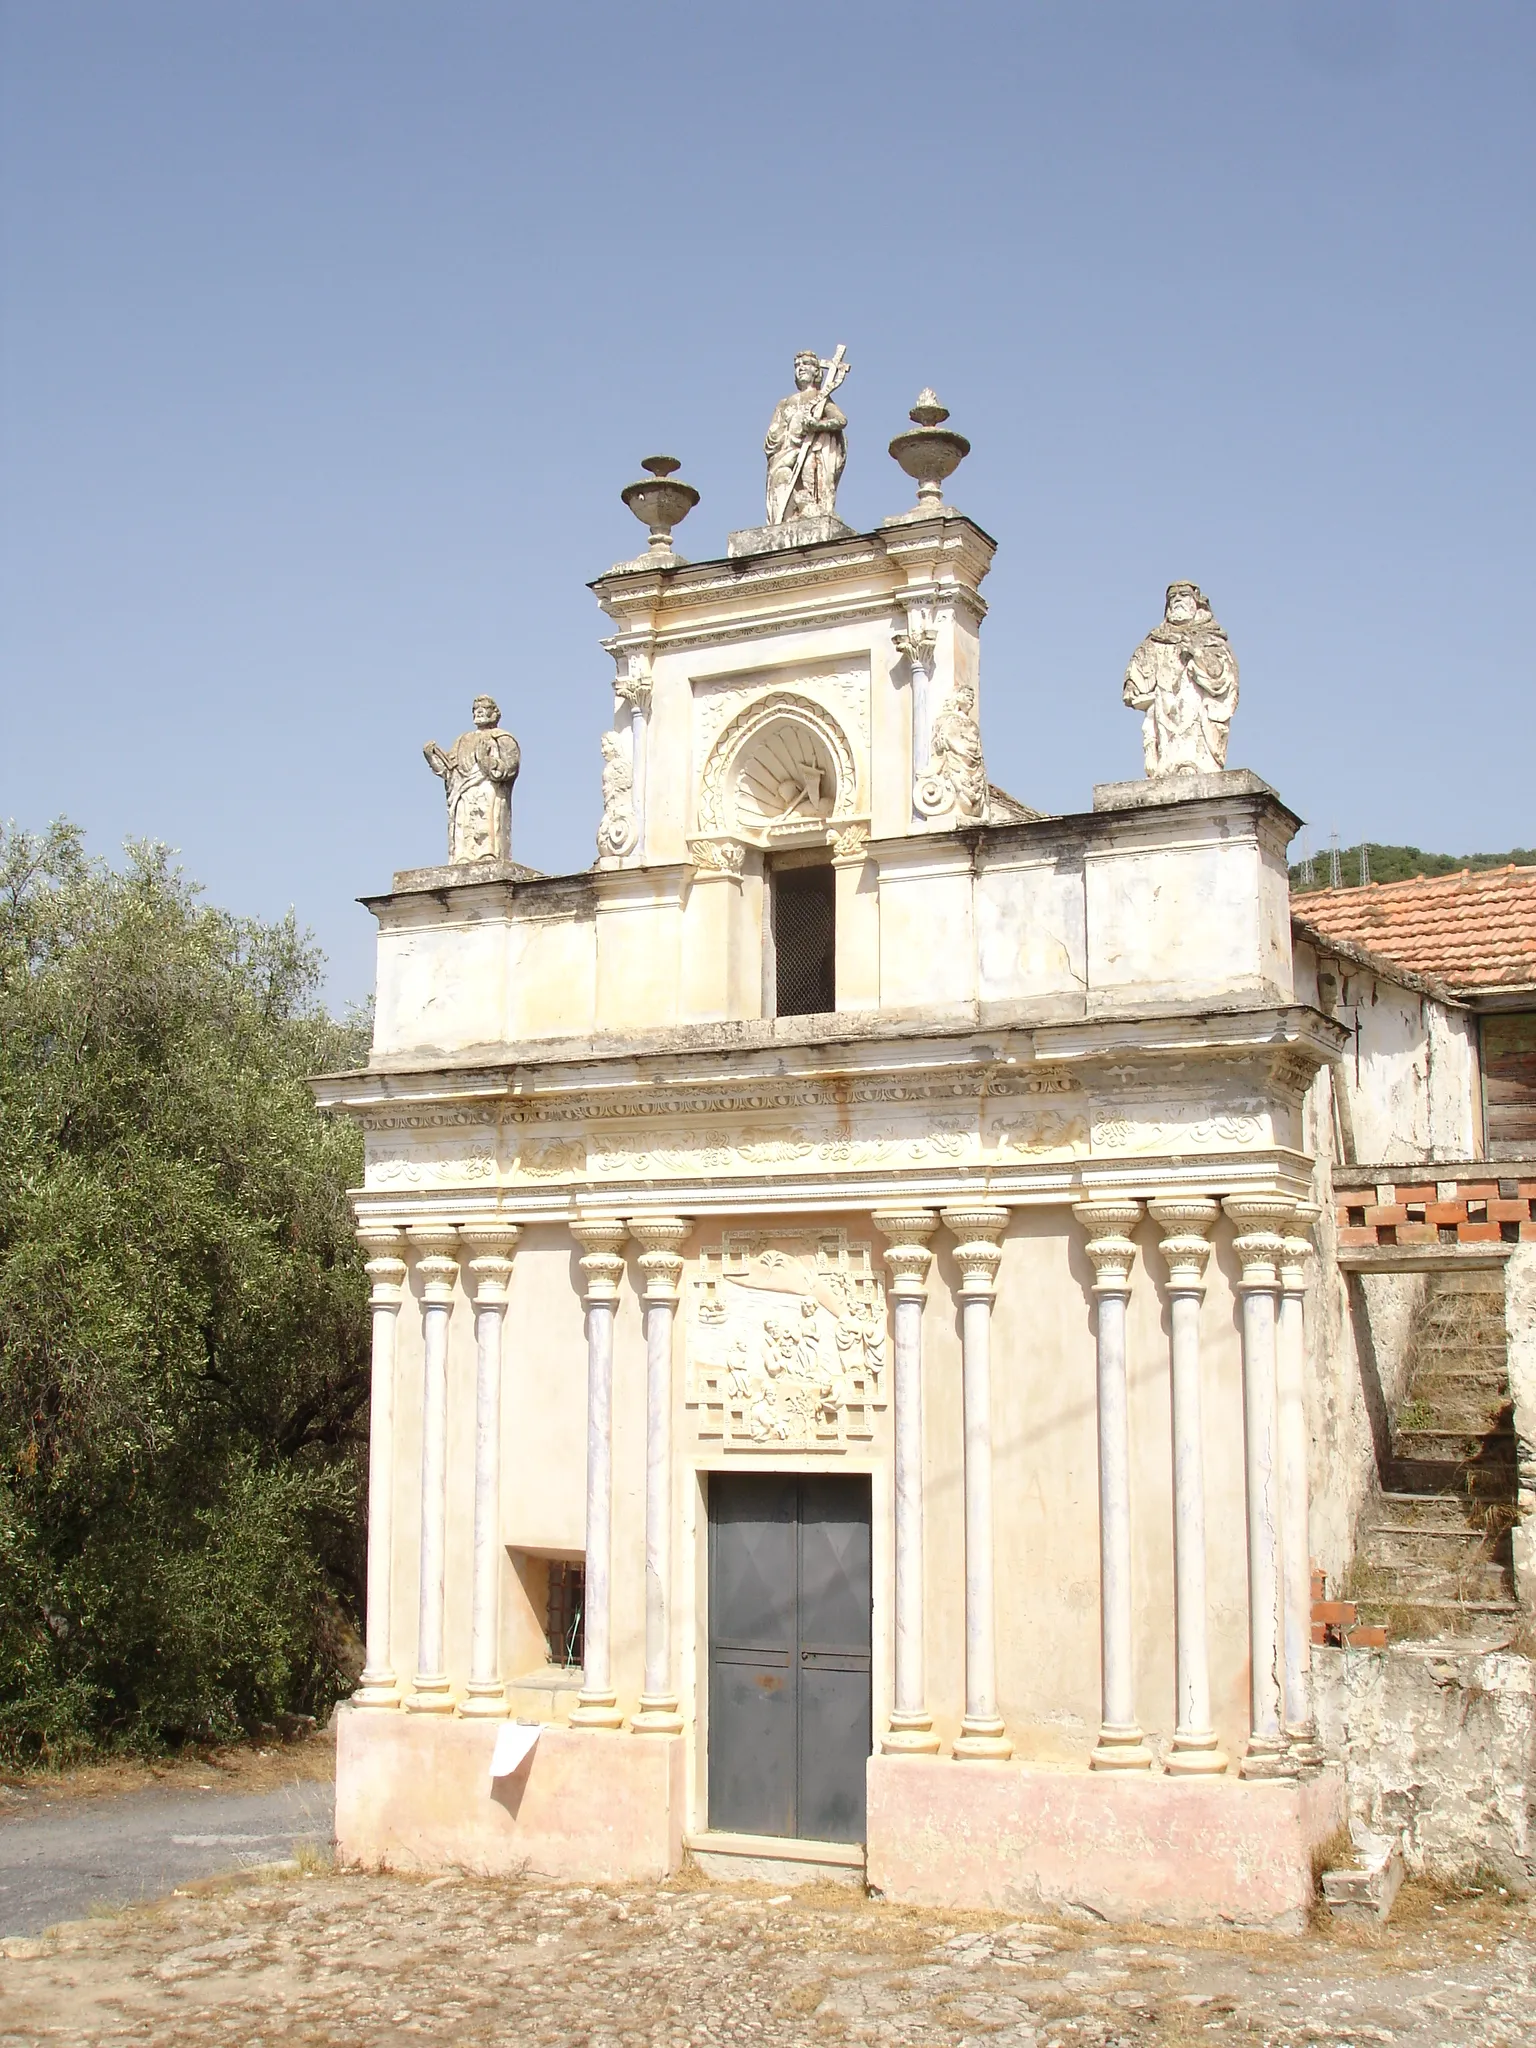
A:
[1165,1127]
[805,443]
[782,765]
[478,772]
[632,683]
[843,695]
[619,830]
[786,1341]
[1183,677]
[851,843]
[717,856]
[956,776]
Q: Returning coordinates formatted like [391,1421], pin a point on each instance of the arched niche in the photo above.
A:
[782,772]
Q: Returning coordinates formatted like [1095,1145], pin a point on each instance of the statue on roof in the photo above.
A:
[1183,677]
[805,445]
[478,772]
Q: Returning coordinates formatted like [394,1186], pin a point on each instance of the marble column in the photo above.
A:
[1296,1548]
[1258,1218]
[1109,1223]
[602,1267]
[661,1239]
[978,1253]
[491,1246]
[386,1274]
[1186,1222]
[907,1232]
[438,1270]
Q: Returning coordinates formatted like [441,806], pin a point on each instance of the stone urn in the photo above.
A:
[930,452]
[660,502]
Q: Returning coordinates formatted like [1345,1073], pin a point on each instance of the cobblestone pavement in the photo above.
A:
[369,1961]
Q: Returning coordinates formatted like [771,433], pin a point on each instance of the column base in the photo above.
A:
[1304,1749]
[486,1700]
[910,1735]
[596,1710]
[377,1689]
[431,1696]
[982,1739]
[658,1715]
[1195,1756]
[1267,1757]
[1120,1749]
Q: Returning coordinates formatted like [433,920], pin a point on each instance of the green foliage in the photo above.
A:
[183,1325]
[1401,864]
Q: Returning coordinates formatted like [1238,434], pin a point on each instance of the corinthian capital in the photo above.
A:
[1295,1245]
[1186,1222]
[435,1245]
[978,1252]
[1259,1219]
[661,1239]
[489,1266]
[385,1265]
[907,1232]
[1109,1222]
[602,1240]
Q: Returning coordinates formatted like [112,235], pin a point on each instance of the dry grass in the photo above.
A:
[247,1767]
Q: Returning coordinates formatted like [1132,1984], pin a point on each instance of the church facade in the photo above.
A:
[843,1285]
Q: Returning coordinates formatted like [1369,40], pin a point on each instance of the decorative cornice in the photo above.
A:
[907,1232]
[978,1252]
[1186,1223]
[1109,1224]
[661,1261]
[602,1239]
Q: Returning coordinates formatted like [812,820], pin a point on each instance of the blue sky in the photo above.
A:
[331,329]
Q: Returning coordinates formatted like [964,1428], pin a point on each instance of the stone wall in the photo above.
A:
[1438,1741]
[1520,1327]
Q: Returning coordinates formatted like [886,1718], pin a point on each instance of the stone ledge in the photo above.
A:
[466,874]
[775,540]
[1179,789]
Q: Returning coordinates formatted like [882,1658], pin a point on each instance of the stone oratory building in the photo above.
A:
[841,1266]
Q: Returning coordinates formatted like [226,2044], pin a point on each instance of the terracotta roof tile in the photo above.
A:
[1473,931]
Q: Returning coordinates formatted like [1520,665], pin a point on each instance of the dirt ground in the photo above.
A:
[319,1956]
[251,1767]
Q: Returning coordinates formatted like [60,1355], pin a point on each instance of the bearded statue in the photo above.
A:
[478,772]
[1183,676]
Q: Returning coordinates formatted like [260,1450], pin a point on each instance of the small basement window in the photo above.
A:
[804,913]
[565,1614]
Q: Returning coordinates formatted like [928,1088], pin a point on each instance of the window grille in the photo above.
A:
[805,940]
[564,1615]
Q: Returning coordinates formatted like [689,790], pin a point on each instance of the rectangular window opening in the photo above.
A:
[564,1615]
[803,901]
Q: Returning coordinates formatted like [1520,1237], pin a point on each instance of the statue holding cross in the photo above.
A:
[805,446]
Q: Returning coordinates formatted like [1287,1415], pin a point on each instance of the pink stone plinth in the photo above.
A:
[1123,1845]
[414,1792]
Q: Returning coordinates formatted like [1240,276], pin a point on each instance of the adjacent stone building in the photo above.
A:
[847,1336]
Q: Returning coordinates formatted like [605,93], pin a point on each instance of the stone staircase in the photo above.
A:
[1434,1551]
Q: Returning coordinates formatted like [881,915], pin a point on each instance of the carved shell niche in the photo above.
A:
[781,770]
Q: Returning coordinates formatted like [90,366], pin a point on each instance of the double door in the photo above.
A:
[789,1654]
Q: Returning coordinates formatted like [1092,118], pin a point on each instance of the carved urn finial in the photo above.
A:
[929,453]
[660,503]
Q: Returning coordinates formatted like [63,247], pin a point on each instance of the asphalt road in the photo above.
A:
[58,1864]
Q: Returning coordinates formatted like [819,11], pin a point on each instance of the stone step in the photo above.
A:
[1466,1617]
[1456,1584]
[1471,1411]
[1388,1544]
[1493,1482]
[1452,1512]
[1455,1446]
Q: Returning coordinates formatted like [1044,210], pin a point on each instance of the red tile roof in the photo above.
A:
[1475,932]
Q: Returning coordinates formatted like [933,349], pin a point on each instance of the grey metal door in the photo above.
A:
[789,1643]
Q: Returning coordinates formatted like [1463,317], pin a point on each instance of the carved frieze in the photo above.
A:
[786,1341]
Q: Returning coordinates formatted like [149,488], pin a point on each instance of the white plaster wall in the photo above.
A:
[1031,926]
[441,986]
[1411,1075]
[1181,921]
[552,976]
[1520,1330]
[927,931]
